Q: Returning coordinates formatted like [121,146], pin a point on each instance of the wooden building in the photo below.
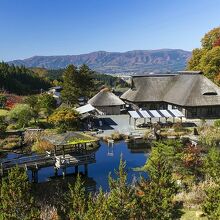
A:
[189,91]
[107,102]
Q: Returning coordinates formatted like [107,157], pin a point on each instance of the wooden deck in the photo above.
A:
[37,162]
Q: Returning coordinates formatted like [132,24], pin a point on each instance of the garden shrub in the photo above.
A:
[42,146]
[217,123]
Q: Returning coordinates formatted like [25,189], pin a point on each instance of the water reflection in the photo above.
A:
[107,160]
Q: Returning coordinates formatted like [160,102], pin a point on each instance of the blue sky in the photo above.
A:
[61,27]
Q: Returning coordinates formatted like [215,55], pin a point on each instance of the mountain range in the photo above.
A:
[130,62]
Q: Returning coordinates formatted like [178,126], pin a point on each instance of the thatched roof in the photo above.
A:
[105,98]
[180,89]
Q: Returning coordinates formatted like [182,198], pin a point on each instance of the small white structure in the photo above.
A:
[149,114]
[85,109]
[56,93]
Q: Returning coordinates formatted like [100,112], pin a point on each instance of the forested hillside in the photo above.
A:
[20,80]
[102,79]
[130,62]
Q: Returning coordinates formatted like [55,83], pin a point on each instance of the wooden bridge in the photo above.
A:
[36,162]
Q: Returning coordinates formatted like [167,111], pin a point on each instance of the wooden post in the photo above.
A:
[64,172]
[86,147]
[63,152]
[55,171]
[36,176]
[55,150]
[32,175]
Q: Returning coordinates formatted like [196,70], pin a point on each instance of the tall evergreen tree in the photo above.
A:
[47,103]
[16,202]
[69,92]
[33,102]
[157,193]
[86,82]
[98,207]
[121,199]
[77,83]
[77,200]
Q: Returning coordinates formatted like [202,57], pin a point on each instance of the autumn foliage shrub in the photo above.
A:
[65,119]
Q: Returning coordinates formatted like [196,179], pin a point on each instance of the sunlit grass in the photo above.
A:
[3,112]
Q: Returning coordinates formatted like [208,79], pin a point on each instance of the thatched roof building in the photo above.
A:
[191,92]
[107,102]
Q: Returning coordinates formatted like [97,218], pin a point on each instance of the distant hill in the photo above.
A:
[131,62]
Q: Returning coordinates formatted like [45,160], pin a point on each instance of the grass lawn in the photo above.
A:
[192,215]
[3,112]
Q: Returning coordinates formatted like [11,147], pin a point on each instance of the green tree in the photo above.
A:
[97,207]
[157,192]
[22,114]
[33,102]
[211,205]
[16,202]
[195,61]
[77,83]
[122,199]
[210,62]
[77,200]
[70,93]
[20,80]
[86,84]
[47,103]
[207,58]
[212,164]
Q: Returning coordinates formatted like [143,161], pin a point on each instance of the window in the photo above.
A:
[210,93]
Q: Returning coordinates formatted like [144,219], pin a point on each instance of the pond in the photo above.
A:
[107,160]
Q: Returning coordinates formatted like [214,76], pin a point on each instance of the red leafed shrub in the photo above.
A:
[12,100]
[216,43]
[192,156]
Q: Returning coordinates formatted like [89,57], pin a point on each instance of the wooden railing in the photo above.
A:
[43,160]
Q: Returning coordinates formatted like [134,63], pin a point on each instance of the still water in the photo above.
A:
[107,160]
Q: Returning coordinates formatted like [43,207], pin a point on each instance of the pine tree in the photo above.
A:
[121,199]
[33,102]
[77,200]
[156,194]
[70,93]
[16,202]
[97,207]
[86,81]
[77,83]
